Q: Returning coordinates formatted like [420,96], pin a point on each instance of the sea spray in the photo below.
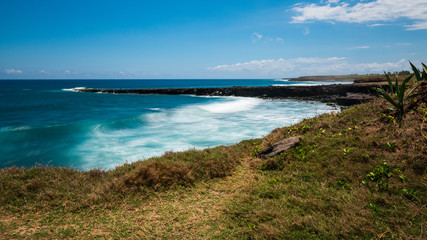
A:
[46,124]
[223,122]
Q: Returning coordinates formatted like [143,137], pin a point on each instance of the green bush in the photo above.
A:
[397,95]
[379,175]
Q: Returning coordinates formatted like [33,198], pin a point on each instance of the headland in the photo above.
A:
[341,94]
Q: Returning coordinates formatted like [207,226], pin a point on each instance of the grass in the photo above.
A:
[319,189]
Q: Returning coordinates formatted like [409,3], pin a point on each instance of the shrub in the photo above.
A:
[379,175]
[397,95]
[183,168]
[255,151]
[160,174]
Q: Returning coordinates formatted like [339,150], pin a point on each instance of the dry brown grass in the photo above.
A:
[183,168]
[193,213]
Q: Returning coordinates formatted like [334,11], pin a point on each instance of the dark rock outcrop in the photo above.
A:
[343,94]
[279,147]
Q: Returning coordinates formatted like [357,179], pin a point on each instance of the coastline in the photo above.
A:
[235,188]
[227,185]
[341,94]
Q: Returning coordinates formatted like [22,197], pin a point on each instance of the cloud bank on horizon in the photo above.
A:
[312,66]
[13,71]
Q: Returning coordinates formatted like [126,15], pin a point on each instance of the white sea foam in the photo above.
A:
[287,85]
[206,96]
[154,109]
[238,105]
[298,84]
[191,126]
[73,89]
[13,129]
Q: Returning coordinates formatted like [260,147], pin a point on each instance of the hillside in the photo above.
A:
[357,174]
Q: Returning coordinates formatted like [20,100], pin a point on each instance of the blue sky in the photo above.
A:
[52,39]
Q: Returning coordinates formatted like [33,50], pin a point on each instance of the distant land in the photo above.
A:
[338,78]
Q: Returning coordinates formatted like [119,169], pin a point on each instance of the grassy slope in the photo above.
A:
[312,191]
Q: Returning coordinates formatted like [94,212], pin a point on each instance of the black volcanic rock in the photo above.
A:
[343,94]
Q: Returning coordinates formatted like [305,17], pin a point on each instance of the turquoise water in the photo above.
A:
[43,122]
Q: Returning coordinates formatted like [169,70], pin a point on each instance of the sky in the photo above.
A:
[169,39]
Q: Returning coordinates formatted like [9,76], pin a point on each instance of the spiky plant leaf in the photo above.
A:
[408,78]
[402,88]
[409,94]
[418,94]
[397,87]
[387,97]
[424,72]
[390,84]
[416,72]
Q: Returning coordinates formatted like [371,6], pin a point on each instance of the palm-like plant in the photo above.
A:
[398,96]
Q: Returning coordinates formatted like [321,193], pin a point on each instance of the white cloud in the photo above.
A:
[360,47]
[404,44]
[279,39]
[417,26]
[266,39]
[376,25]
[256,36]
[13,71]
[306,31]
[310,66]
[363,12]
[273,39]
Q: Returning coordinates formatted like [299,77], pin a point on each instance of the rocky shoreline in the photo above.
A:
[341,94]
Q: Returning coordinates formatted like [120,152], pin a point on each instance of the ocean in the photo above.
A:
[46,123]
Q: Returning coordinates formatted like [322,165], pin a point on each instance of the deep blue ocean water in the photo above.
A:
[42,122]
